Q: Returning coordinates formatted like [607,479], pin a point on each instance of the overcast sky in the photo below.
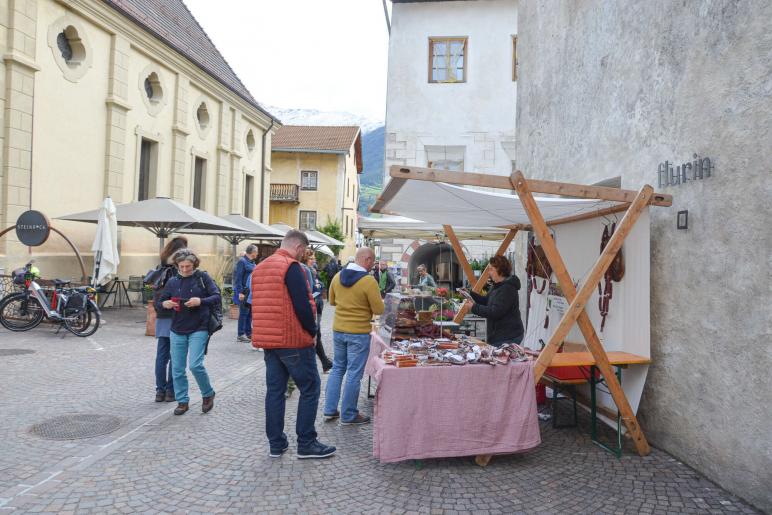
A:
[329,55]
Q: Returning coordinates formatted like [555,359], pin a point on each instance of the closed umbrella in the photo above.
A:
[105,246]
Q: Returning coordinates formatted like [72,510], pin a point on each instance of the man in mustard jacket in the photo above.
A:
[356,297]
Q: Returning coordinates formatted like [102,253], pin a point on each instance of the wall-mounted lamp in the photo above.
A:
[682,220]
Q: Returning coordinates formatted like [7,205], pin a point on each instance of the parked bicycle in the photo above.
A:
[73,308]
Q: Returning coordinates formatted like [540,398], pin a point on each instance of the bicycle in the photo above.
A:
[73,308]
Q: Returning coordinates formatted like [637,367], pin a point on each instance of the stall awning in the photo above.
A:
[402,227]
[441,203]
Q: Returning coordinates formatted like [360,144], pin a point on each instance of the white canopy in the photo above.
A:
[403,227]
[440,203]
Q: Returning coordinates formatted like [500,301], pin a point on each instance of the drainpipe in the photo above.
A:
[262,170]
[386,15]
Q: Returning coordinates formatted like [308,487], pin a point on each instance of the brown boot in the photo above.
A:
[169,396]
[159,396]
[181,408]
[208,404]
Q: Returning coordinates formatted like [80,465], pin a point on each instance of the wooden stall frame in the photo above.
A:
[633,205]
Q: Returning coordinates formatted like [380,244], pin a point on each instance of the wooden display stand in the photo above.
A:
[633,203]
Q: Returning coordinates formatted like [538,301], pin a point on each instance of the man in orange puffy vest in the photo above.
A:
[284,325]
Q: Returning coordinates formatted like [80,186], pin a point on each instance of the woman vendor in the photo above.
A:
[424,278]
[501,307]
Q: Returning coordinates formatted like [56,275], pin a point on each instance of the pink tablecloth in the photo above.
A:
[439,412]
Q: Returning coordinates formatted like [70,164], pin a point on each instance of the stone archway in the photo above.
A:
[440,261]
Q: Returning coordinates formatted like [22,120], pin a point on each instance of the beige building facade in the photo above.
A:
[315,178]
[117,98]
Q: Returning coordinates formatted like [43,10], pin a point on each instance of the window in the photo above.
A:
[514,58]
[309,180]
[447,59]
[250,141]
[445,157]
[347,184]
[199,183]
[249,185]
[153,89]
[148,156]
[69,47]
[308,220]
[202,117]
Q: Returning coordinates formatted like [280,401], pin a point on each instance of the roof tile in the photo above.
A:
[329,138]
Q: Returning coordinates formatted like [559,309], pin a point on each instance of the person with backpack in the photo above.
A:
[157,279]
[331,269]
[241,287]
[194,300]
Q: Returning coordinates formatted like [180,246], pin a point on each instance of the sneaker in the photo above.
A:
[243,338]
[333,416]
[359,420]
[278,454]
[181,408]
[316,450]
[207,404]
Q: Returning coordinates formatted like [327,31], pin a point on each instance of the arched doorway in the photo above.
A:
[441,263]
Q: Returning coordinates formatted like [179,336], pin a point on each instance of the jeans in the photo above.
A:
[326,363]
[163,366]
[190,348]
[280,365]
[245,320]
[351,351]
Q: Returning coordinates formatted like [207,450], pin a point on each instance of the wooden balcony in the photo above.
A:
[285,193]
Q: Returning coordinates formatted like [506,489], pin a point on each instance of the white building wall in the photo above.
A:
[479,114]
[472,120]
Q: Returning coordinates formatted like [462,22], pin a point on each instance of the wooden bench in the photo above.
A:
[566,385]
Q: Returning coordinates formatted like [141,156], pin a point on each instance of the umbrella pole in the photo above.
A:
[97,266]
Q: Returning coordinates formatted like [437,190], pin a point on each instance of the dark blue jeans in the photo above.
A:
[245,320]
[280,365]
[163,366]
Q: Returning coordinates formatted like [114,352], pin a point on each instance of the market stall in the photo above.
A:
[563,229]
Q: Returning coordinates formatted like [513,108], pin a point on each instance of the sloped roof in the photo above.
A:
[323,139]
[173,23]
[332,138]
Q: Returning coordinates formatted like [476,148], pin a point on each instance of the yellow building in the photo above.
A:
[315,176]
[121,98]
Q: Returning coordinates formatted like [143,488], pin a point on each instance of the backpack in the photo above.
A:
[214,323]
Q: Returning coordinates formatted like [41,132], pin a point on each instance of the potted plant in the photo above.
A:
[227,301]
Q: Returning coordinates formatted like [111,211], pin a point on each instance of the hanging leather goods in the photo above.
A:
[538,266]
[615,272]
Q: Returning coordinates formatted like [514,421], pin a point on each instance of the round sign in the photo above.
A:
[32,228]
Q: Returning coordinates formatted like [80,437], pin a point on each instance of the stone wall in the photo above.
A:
[609,89]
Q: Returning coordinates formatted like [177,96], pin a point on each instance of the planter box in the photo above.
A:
[233,312]
[150,320]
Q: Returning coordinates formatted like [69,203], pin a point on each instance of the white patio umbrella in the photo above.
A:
[105,246]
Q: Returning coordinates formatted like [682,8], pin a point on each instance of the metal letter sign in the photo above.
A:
[696,170]
[32,228]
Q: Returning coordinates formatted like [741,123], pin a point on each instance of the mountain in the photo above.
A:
[371,179]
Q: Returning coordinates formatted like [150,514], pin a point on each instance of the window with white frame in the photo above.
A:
[445,157]
[309,180]
[307,221]
[447,59]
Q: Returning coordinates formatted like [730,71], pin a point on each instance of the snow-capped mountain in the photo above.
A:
[291,116]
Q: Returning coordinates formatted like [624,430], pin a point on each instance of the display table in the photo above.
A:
[449,411]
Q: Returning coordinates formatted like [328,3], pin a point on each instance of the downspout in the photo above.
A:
[262,170]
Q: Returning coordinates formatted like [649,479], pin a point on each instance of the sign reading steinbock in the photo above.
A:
[32,228]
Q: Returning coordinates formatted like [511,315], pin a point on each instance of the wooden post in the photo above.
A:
[585,325]
[485,274]
[459,253]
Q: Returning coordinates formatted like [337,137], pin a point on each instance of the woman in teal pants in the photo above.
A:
[190,294]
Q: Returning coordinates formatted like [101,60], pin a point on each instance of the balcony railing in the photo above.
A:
[284,192]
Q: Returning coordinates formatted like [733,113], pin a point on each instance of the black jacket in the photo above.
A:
[190,320]
[167,272]
[390,282]
[501,308]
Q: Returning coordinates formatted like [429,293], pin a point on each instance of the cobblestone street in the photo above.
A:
[156,462]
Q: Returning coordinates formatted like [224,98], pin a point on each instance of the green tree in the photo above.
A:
[333,229]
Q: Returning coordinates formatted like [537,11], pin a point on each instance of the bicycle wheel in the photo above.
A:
[20,312]
[84,323]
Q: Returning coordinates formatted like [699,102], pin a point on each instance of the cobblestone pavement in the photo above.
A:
[156,462]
